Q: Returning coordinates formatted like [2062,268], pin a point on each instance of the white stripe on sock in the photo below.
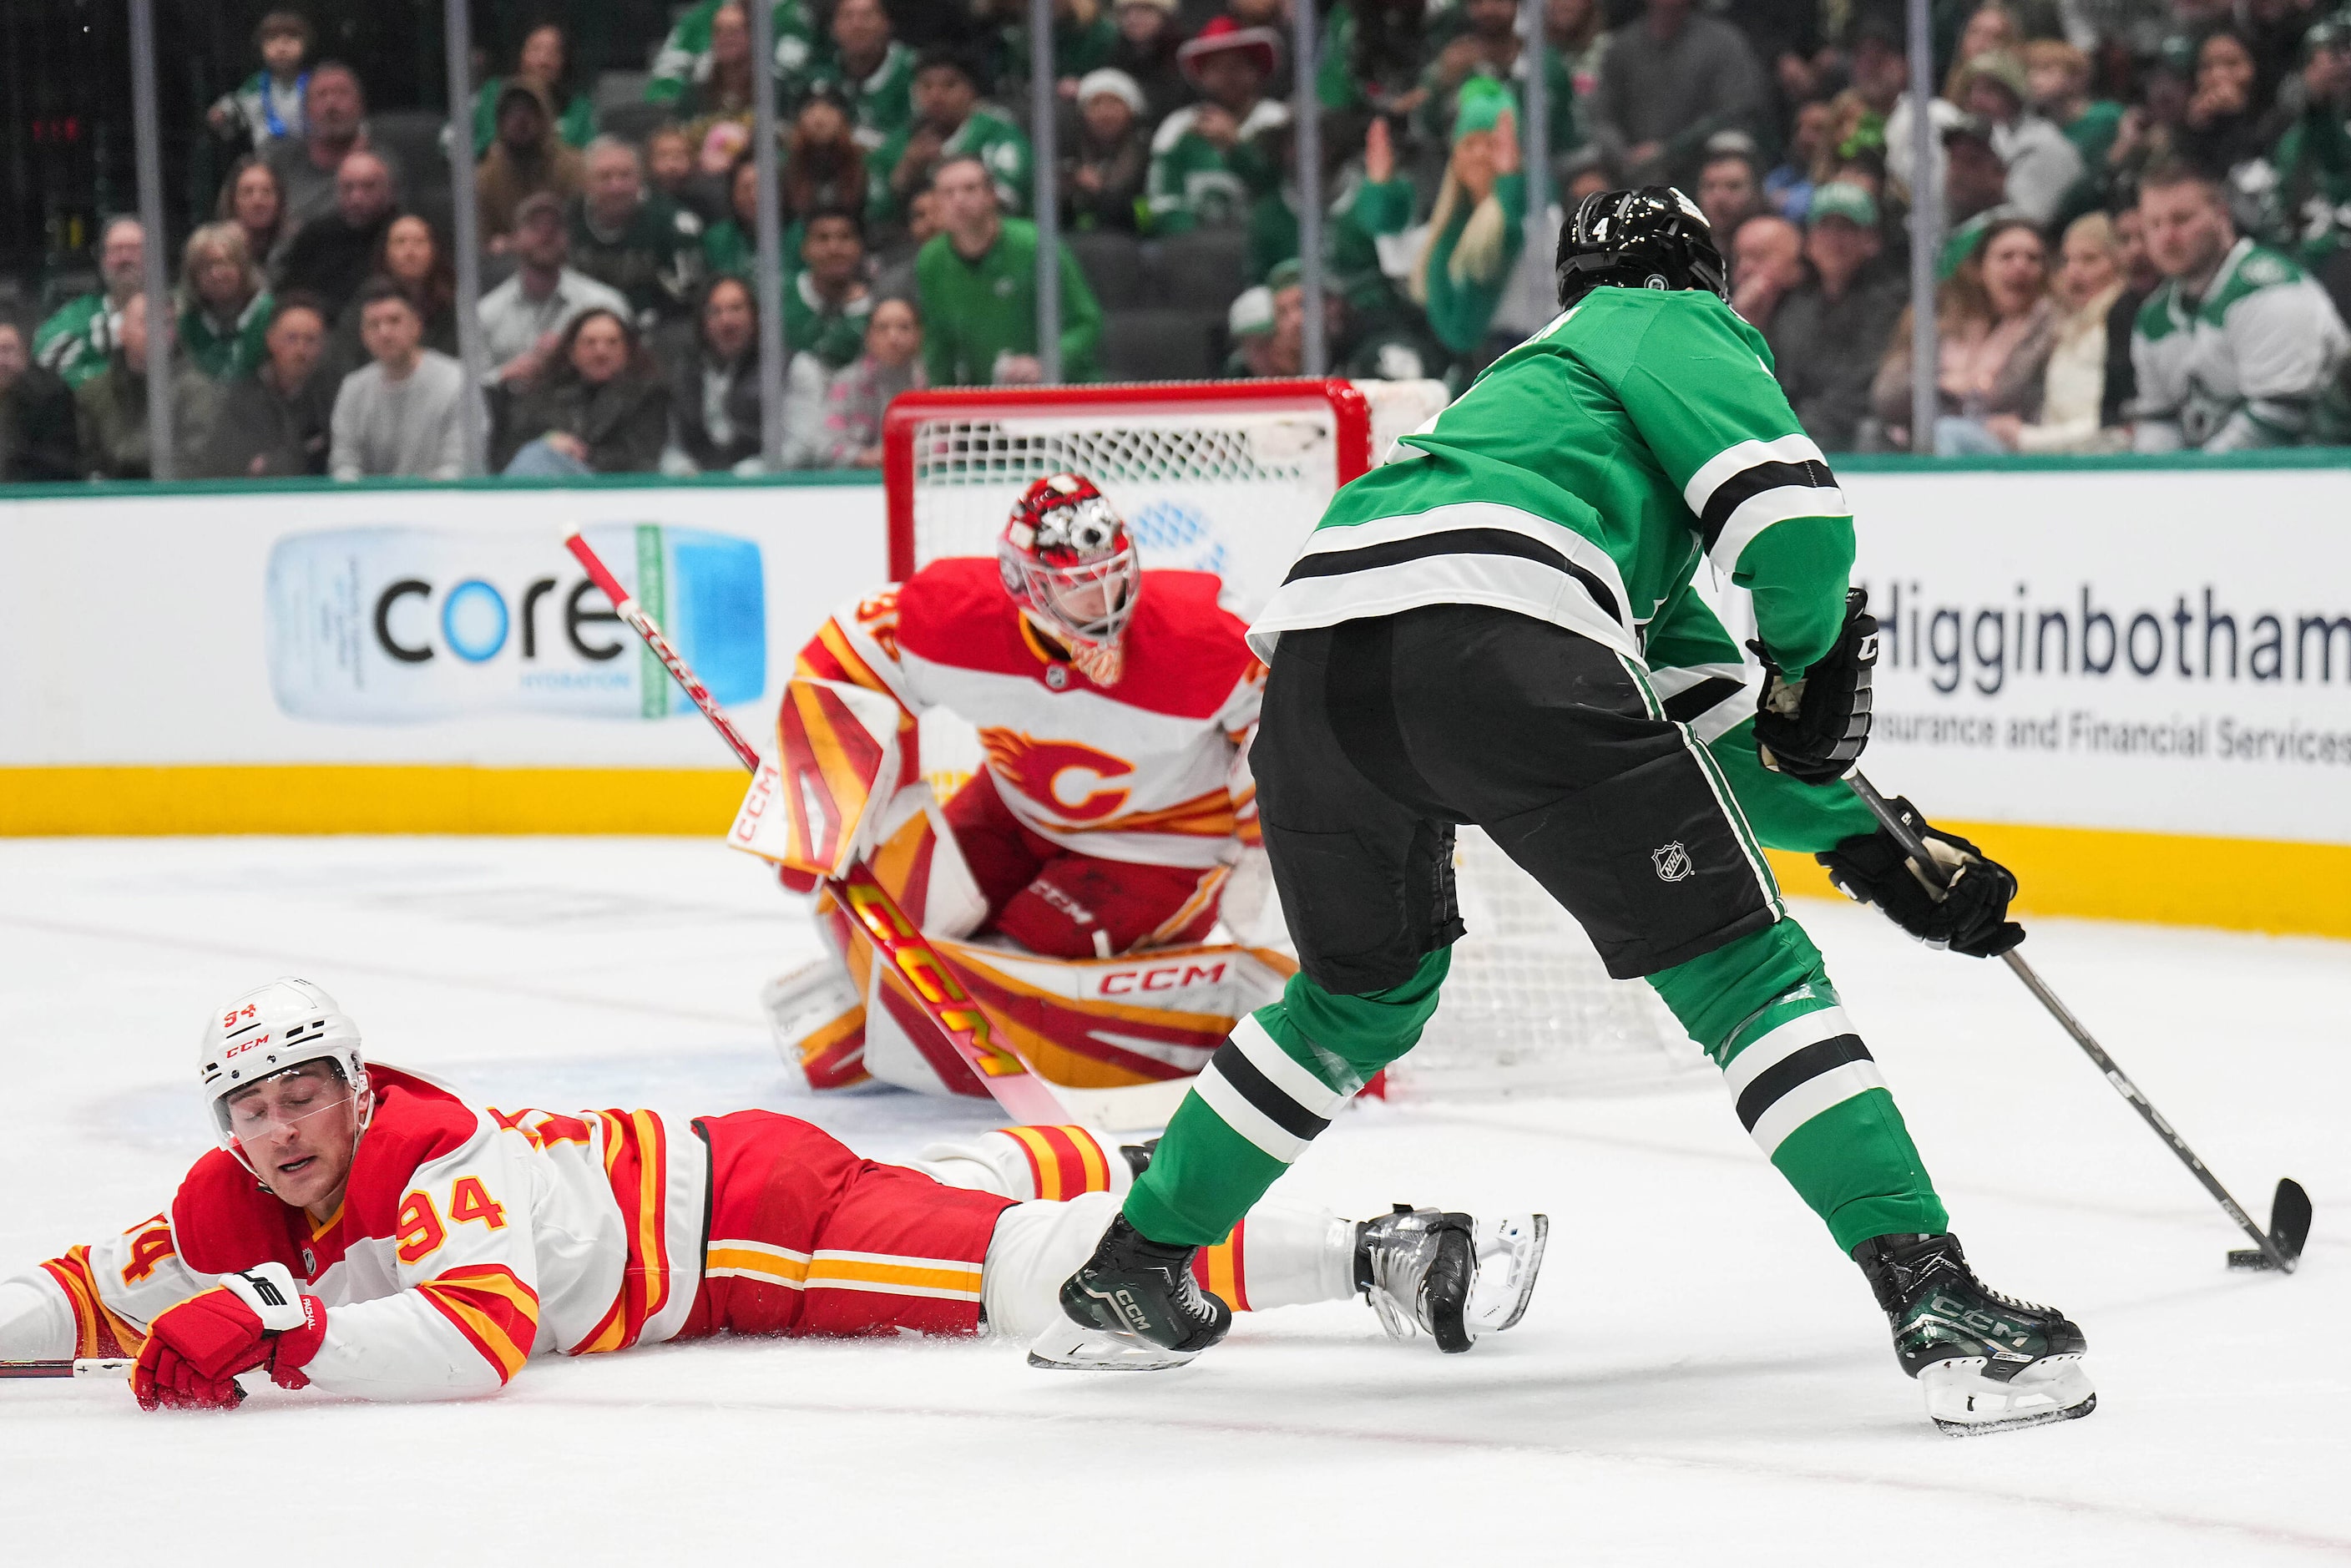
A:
[1282,1071]
[1218,1092]
[1782,1044]
[1810,1098]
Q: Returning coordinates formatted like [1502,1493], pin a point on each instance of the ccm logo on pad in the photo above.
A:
[1165,977]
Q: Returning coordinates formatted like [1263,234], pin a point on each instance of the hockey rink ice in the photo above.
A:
[1701,1380]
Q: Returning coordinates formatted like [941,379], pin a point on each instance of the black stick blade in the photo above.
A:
[2289,1229]
[2290,1217]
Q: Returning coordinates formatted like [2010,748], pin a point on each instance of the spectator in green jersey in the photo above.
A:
[73,344]
[223,303]
[950,121]
[872,70]
[976,282]
[684,56]
[545,63]
[1206,167]
[1477,228]
[826,302]
[633,240]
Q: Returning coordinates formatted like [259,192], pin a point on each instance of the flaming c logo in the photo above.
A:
[1058,775]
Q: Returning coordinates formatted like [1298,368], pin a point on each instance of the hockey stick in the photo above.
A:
[2281,1245]
[77,1367]
[957,1019]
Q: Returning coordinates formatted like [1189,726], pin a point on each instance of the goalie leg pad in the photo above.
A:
[819,1022]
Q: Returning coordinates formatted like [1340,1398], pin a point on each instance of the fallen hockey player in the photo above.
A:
[364,1231]
[1499,626]
[1115,709]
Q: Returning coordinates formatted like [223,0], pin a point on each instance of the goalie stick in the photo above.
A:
[943,1003]
[2281,1245]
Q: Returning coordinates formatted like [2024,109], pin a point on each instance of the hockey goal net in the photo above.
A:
[1229,478]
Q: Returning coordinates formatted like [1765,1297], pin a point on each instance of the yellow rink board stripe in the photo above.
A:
[2239,885]
[2246,884]
[368,799]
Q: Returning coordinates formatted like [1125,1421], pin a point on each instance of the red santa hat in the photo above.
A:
[1223,32]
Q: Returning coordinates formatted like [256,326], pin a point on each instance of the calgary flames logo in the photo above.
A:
[1043,770]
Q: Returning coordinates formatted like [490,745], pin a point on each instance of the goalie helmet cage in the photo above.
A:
[1229,478]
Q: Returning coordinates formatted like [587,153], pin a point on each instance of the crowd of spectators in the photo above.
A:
[2144,205]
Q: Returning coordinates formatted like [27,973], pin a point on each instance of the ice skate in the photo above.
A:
[1134,1306]
[1987,1363]
[1446,1274]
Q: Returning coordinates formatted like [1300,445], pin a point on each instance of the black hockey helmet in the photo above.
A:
[1654,237]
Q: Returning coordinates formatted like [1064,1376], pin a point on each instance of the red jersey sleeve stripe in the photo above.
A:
[497,1313]
[96,1329]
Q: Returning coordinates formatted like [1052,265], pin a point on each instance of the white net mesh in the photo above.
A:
[1528,1008]
[1234,490]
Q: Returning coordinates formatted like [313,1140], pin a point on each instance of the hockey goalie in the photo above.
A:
[364,1231]
[1073,880]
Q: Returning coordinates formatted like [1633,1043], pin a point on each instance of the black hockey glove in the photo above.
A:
[1970,915]
[1813,728]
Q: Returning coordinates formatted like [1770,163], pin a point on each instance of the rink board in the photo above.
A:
[2133,681]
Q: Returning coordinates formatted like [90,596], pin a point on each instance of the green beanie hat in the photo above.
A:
[1481,106]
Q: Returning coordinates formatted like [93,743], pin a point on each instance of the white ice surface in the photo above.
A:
[1702,1379]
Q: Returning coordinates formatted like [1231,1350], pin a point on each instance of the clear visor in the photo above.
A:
[1090,603]
[311,1101]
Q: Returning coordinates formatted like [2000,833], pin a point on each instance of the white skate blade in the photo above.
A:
[1068,1346]
[1509,1256]
[1965,1403]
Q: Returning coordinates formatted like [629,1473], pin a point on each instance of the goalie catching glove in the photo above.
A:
[258,1319]
[1812,728]
[1968,913]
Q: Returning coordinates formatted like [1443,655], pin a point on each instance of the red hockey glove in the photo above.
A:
[195,1349]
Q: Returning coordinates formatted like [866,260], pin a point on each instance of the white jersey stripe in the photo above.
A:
[1738,459]
[1810,1098]
[1505,582]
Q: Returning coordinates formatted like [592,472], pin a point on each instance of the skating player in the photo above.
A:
[364,1231]
[1115,707]
[1498,627]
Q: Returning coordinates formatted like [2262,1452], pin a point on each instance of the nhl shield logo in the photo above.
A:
[1672,861]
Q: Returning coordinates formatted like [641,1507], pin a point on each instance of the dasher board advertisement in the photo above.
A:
[412,626]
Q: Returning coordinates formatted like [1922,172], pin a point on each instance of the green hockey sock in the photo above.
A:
[1271,1087]
[1805,1087]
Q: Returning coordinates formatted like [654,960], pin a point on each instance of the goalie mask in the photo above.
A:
[1067,561]
[290,1033]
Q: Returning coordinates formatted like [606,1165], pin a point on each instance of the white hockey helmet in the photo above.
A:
[270,1031]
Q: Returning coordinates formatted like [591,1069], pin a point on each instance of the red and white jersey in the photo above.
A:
[1153,770]
[468,1241]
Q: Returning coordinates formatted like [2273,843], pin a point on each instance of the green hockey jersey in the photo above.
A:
[73,343]
[834,334]
[987,134]
[2240,368]
[1195,184]
[226,350]
[1582,479]
[882,101]
[685,54]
